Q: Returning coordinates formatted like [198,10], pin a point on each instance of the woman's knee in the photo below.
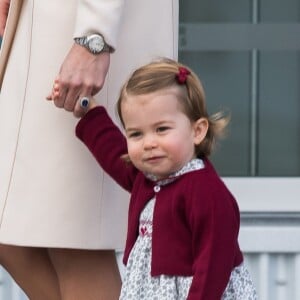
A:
[22,258]
[8,253]
[68,259]
[92,274]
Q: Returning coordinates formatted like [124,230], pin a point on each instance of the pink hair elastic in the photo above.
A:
[182,75]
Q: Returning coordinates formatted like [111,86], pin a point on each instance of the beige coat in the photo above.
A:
[52,192]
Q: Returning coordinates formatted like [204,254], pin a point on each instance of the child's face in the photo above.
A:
[160,137]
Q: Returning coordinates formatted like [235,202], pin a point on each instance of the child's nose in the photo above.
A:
[150,142]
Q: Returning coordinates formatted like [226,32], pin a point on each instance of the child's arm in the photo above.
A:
[214,221]
[106,142]
[102,137]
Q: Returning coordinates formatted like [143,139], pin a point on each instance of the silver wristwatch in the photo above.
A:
[95,43]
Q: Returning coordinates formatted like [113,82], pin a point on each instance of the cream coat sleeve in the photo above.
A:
[101,16]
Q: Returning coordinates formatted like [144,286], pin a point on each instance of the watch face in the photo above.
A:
[96,44]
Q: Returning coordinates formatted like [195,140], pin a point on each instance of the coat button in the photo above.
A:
[156,188]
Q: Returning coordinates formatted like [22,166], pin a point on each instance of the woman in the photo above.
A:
[62,218]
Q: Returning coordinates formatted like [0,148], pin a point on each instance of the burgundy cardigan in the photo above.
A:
[195,221]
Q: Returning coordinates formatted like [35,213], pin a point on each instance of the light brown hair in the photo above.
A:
[163,74]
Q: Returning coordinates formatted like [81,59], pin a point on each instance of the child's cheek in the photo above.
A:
[132,151]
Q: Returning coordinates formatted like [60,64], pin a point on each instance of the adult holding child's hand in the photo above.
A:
[82,73]
[82,105]
[61,217]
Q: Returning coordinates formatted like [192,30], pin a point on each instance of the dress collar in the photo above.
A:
[193,165]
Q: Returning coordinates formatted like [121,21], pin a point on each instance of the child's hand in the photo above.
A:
[55,90]
[82,105]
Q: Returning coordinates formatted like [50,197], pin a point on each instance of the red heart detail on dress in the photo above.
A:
[143,230]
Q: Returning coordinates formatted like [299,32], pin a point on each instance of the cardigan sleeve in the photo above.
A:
[99,16]
[106,142]
[214,222]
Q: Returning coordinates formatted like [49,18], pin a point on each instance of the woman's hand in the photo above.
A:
[4,7]
[82,105]
[82,74]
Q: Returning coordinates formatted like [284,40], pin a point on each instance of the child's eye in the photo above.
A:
[162,128]
[135,134]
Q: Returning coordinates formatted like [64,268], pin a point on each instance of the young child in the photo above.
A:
[183,224]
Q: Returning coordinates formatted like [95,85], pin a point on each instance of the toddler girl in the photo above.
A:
[183,224]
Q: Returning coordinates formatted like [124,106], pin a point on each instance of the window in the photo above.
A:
[246,53]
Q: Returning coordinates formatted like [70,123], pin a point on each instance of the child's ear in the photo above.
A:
[200,130]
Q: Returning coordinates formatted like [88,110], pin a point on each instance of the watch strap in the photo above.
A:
[81,40]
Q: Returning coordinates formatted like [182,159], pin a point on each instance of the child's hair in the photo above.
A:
[167,73]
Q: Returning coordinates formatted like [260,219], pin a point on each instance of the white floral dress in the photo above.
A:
[138,283]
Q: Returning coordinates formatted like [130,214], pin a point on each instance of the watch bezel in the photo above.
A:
[94,48]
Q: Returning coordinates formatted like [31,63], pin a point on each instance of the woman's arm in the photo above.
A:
[83,73]
[4,7]
[101,16]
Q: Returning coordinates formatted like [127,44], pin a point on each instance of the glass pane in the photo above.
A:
[261,91]
[225,76]
[279,114]
[214,11]
[278,11]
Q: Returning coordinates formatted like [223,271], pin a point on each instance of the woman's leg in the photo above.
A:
[87,274]
[32,269]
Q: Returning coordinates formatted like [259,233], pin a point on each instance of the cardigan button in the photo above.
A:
[156,188]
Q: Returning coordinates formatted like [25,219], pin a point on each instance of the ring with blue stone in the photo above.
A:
[84,102]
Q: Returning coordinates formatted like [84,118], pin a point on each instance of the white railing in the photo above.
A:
[276,276]
[271,243]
